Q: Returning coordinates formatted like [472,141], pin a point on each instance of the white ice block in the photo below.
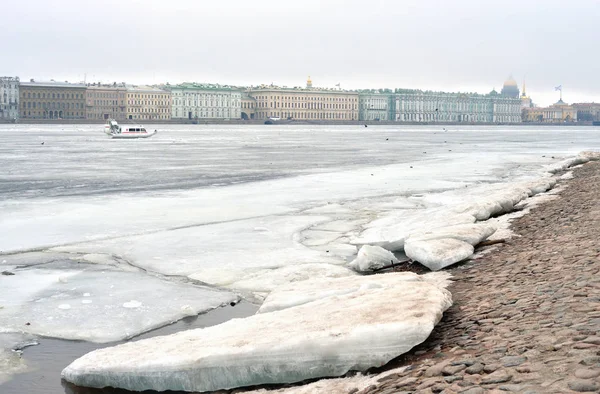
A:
[371,258]
[381,319]
[436,254]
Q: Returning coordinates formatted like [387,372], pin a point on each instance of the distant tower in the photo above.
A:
[525,101]
[309,82]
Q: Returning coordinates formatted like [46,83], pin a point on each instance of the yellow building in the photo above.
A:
[148,103]
[308,103]
[559,113]
[533,114]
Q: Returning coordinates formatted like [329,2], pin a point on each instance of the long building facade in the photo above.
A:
[205,101]
[374,105]
[147,103]
[304,104]
[106,102]
[419,106]
[9,98]
[51,100]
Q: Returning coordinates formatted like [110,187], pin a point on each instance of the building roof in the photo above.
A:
[202,86]
[52,84]
[144,89]
[273,88]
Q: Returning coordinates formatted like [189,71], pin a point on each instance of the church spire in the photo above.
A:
[309,82]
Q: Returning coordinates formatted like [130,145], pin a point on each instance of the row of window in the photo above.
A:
[52,115]
[148,117]
[206,95]
[105,95]
[275,104]
[308,115]
[146,102]
[147,110]
[105,102]
[207,103]
[307,98]
[64,96]
[53,105]
[147,96]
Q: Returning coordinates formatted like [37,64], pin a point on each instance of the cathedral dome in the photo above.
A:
[510,82]
[510,88]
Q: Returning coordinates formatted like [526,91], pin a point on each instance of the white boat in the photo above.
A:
[113,129]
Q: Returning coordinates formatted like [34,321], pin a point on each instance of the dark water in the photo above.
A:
[51,356]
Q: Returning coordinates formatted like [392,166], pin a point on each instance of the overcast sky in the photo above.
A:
[450,45]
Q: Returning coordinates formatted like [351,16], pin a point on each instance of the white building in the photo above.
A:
[204,101]
[420,106]
[373,105]
[9,98]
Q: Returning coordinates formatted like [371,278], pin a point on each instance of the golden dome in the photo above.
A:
[510,82]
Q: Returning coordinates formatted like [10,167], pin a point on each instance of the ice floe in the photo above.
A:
[97,303]
[376,319]
[217,254]
[267,280]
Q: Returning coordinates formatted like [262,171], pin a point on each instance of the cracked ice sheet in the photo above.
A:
[96,303]
[56,221]
[355,329]
[218,254]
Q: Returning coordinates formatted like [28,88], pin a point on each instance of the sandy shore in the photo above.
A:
[526,316]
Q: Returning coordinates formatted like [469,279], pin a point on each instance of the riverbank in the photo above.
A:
[526,317]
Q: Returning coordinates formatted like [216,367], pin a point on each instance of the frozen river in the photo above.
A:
[107,239]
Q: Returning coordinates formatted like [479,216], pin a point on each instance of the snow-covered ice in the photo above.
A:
[269,279]
[329,336]
[97,303]
[436,254]
[218,254]
[372,258]
[295,294]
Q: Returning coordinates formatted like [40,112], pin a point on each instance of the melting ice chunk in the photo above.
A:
[326,337]
[371,258]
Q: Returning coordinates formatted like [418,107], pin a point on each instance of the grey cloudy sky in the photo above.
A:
[452,45]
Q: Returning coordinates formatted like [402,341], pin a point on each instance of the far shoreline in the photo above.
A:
[255,122]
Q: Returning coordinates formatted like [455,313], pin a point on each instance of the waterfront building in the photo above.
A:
[533,114]
[426,106]
[374,105]
[51,100]
[248,106]
[105,101]
[587,111]
[313,104]
[205,101]
[9,98]
[560,112]
[147,103]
